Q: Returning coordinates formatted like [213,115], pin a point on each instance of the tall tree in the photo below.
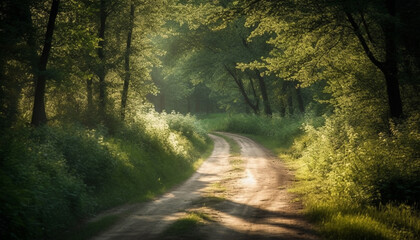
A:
[102,71]
[389,67]
[239,82]
[263,88]
[127,75]
[39,116]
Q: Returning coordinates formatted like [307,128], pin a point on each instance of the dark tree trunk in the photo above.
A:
[89,92]
[282,109]
[127,76]
[101,55]
[290,103]
[391,66]
[39,116]
[241,88]
[254,92]
[300,99]
[266,102]
[282,100]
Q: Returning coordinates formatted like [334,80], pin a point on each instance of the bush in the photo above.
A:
[53,176]
[363,166]
[39,194]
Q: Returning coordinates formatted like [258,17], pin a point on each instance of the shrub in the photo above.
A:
[39,194]
[53,176]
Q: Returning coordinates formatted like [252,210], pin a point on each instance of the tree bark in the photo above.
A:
[300,99]
[39,116]
[241,88]
[254,92]
[390,67]
[290,103]
[89,92]
[101,55]
[266,102]
[127,76]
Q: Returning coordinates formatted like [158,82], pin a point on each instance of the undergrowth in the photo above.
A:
[54,176]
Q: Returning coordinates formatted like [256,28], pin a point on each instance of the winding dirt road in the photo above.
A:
[245,196]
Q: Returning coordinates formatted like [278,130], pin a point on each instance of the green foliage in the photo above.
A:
[345,162]
[283,129]
[39,193]
[356,181]
[53,177]
[342,221]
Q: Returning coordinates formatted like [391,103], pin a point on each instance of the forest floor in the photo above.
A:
[229,197]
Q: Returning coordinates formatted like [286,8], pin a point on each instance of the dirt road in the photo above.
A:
[251,200]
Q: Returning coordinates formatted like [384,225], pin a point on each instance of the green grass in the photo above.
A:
[356,222]
[208,200]
[272,143]
[135,182]
[55,177]
[187,228]
[235,149]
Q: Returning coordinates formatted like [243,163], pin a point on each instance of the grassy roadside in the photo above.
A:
[55,177]
[335,220]
[90,229]
[353,183]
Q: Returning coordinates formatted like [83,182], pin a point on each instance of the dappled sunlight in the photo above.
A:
[249,179]
[112,102]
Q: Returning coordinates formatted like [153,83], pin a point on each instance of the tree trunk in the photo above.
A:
[254,92]
[39,116]
[89,93]
[266,102]
[241,88]
[101,55]
[127,76]
[300,100]
[391,66]
[290,103]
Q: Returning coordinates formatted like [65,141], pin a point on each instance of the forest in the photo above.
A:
[110,102]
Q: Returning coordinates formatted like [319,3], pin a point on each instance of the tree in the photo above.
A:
[210,54]
[320,27]
[127,61]
[38,115]
[17,56]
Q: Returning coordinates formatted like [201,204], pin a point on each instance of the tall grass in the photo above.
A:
[54,176]
[283,129]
